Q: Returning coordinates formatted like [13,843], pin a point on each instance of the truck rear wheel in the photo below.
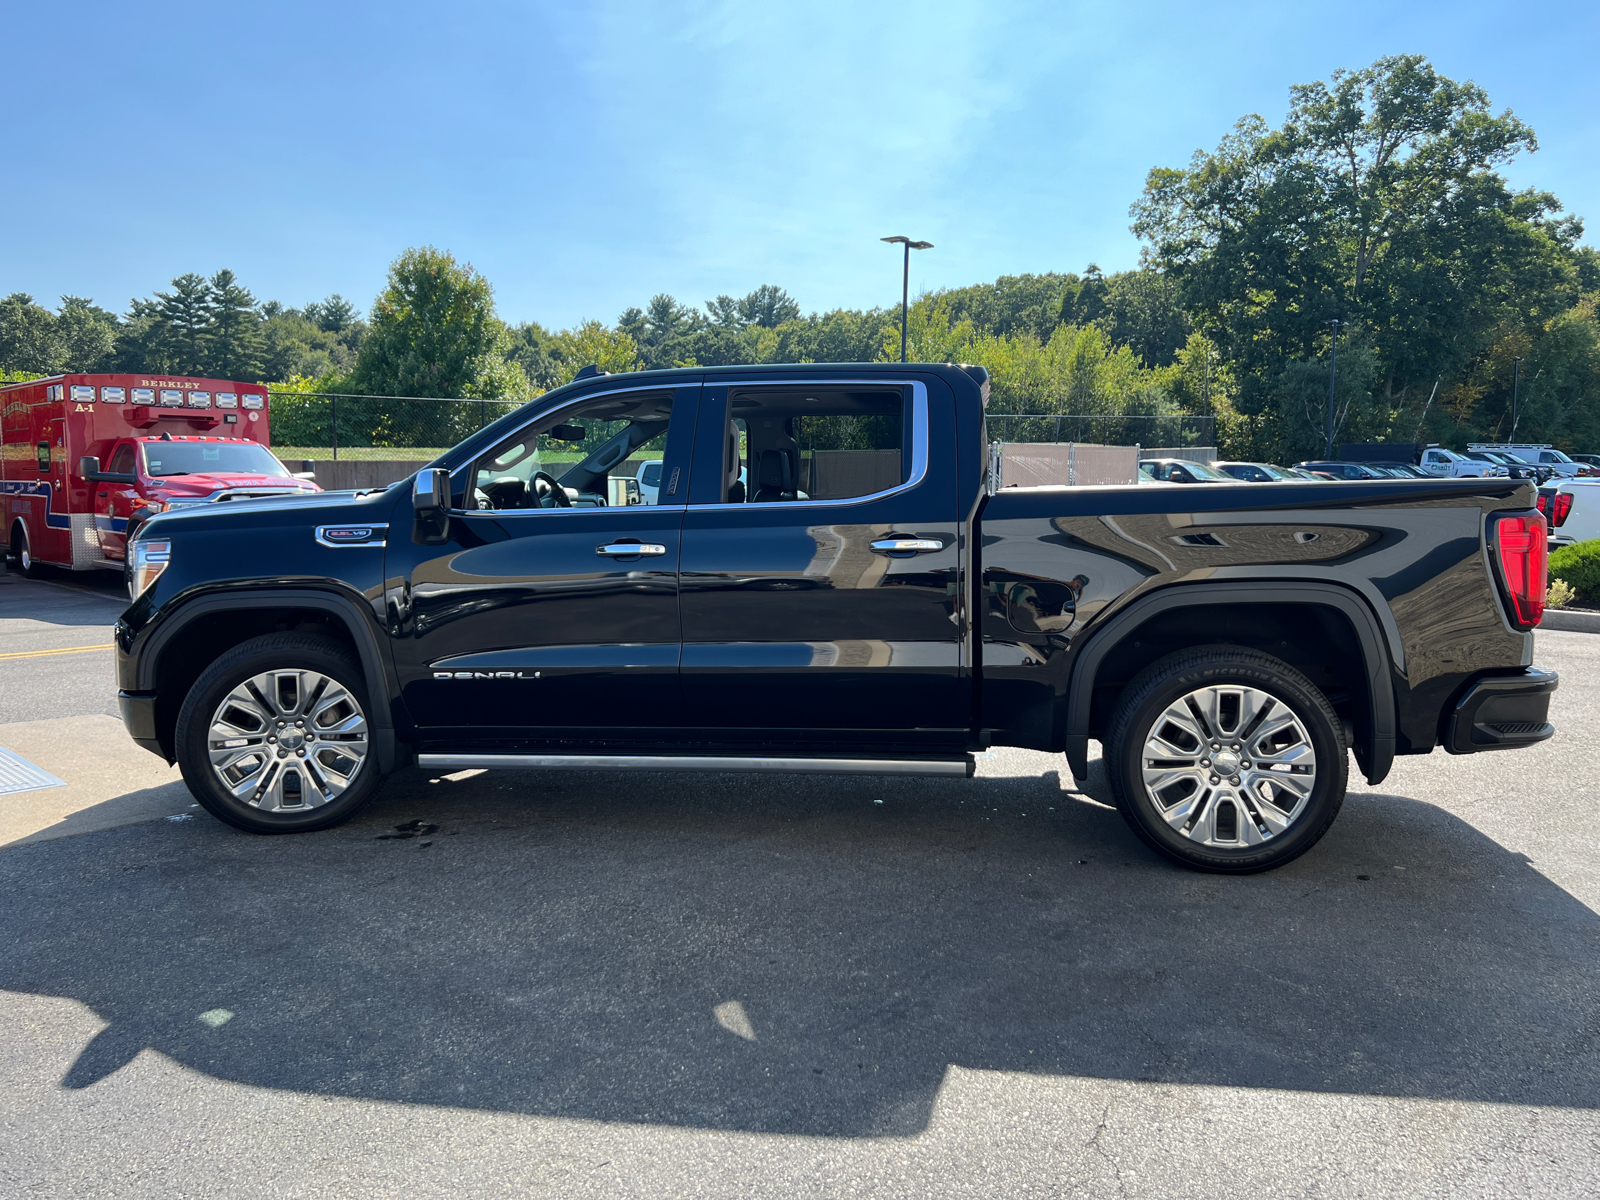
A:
[1226,759]
[274,736]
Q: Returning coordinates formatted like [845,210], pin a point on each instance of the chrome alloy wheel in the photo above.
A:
[287,741]
[1229,766]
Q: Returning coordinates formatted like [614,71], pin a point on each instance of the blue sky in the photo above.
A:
[587,156]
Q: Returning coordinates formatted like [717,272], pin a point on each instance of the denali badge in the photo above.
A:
[486,674]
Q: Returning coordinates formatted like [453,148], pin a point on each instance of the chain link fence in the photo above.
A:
[339,427]
[1104,429]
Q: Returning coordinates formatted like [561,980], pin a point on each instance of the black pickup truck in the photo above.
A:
[823,579]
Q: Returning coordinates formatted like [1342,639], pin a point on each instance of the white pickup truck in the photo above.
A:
[1447,464]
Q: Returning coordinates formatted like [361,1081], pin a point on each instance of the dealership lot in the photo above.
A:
[618,984]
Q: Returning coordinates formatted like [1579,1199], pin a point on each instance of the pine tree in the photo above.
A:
[233,330]
[185,319]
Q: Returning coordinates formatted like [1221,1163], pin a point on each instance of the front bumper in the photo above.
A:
[1502,712]
[139,718]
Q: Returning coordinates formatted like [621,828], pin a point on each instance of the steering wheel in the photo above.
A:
[542,484]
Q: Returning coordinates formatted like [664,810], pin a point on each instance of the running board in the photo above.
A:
[949,768]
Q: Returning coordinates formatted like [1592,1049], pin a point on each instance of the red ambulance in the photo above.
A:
[88,458]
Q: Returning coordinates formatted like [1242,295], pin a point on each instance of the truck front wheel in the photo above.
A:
[274,736]
[1226,759]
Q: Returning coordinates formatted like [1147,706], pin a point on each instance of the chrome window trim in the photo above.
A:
[466,468]
[498,514]
[919,442]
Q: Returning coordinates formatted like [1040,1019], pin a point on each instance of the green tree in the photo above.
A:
[434,332]
[1084,300]
[233,329]
[1375,203]
[184,317]
[1013,304]
[768,307]
[333,315]
[591,343]
[30,341]
[88,335]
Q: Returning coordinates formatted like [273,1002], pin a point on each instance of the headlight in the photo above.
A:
[150,558]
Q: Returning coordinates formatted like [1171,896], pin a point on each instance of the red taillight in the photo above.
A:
[1561,503]
[1521,542]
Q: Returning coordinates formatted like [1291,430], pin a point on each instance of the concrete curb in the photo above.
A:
[1570,620]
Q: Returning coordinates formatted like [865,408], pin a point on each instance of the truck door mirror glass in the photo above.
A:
[88,466]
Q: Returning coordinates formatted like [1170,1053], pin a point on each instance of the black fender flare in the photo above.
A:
[1378,754]
[381,688]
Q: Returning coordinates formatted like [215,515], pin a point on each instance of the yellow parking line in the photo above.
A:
[46,653]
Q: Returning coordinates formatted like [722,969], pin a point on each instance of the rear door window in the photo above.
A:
[784,446]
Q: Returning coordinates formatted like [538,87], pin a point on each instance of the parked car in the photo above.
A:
[1591,460]
[1229,657]
[1400,470]
[1254,472]
[1572,509]
[1515,467]
[1181,470]
[1541,454]
[1331,469]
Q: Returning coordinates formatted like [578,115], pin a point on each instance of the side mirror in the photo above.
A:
[430,494]
[89,468]
[430,502]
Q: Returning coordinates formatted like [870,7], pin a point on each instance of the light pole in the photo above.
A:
[1333,363]
[1516,378]
[905,282]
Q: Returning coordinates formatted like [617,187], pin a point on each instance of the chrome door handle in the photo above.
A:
[906,545]
[631,550]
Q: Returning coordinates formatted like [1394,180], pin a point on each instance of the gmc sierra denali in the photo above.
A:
[824,580]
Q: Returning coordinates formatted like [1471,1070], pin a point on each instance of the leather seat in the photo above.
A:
[774,477]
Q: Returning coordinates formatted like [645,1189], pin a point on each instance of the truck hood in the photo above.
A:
[205,485]
[271,512]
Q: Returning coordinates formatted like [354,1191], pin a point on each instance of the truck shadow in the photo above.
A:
[802,955]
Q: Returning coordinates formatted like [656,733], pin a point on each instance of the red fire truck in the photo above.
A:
[88,458]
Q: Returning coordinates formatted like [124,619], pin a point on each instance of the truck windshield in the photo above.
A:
[210,458]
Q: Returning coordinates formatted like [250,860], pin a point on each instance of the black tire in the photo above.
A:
[1203,843]
[299,659]
[19,555]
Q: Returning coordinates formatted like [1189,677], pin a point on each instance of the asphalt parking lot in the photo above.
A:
[649,985]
